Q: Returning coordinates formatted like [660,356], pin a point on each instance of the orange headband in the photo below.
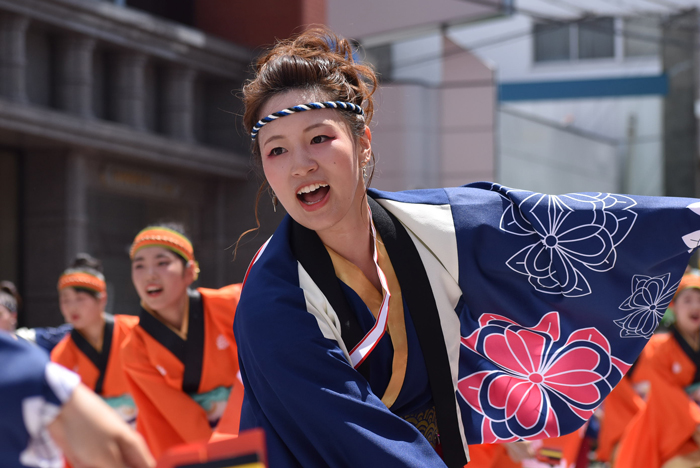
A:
[689,280]
[163,237]
[81,279]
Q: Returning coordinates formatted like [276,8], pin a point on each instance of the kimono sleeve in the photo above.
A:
[33,391]
[167,415]
[316,410]
[560,295]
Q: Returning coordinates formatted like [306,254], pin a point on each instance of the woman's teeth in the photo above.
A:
[310,188]
[313,193]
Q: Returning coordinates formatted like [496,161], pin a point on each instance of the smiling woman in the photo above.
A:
[173,358]
[371,322]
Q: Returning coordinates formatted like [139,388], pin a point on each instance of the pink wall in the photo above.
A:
[361,18]
[437,136]
[468,114]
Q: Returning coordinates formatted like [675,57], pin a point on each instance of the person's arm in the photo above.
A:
[167,416]
[222,310]
[316,410]
[91,434]
[570,271]
[43,404]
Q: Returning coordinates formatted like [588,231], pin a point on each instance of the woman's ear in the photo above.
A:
[191,271]
[366,146]
[103,299]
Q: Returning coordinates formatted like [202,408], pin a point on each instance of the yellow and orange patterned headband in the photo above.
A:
[689,280]
[166,238]
[82,279]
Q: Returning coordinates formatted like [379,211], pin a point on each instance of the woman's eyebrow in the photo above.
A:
[311,127]
[272,138]
[307,129]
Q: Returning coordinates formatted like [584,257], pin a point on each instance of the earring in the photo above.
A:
[364,172]
[274,201]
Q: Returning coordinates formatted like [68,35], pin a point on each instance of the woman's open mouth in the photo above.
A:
[154,291]
[312,194]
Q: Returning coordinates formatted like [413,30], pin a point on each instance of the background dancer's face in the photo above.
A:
[81,309]
[8,320]
[160,277]
[313,163]
[687,310]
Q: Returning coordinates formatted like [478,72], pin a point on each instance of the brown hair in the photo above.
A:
[318,61]
[315,60]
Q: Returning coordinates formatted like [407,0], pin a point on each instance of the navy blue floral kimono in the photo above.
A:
[522,312]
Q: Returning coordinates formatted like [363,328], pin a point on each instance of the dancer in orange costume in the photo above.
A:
[666,430]
[92,349]
[181,360]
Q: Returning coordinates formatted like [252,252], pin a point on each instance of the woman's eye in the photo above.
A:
[277,151]
[319,139]
[163,263]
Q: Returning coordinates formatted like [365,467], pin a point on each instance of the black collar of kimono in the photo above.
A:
[99,359]
[190,351]
[693,355]
[418,294]
[313,256]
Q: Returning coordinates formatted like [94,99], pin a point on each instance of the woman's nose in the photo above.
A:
[303,163]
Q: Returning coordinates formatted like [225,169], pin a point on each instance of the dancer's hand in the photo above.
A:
[92,435]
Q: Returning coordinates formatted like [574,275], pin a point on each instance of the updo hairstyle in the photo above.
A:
[318,61]
[84,262]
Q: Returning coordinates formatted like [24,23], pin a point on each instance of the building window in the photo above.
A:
[642,37]
[587,39]
[596,38]
[552,42]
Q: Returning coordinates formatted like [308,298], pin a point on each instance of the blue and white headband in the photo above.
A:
[348,106]
[9,302]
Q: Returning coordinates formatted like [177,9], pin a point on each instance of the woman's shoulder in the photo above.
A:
[479,192]
[134,344]
[228,293]
[274,270]
[273,294]
[126,322]
[665,351]
[63,351]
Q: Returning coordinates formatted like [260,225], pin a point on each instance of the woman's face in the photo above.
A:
[8,320]
[687,310]
[160,277]
[80,308]
[313,163]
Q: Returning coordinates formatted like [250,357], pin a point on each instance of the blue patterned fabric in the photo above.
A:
[22,379]
[544,301]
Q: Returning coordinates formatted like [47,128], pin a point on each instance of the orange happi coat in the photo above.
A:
[664,428]
[74,353]
[559,451]
[623,403]
[166,372]
[620,408]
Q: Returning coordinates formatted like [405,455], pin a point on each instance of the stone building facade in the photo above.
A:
[112,118]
